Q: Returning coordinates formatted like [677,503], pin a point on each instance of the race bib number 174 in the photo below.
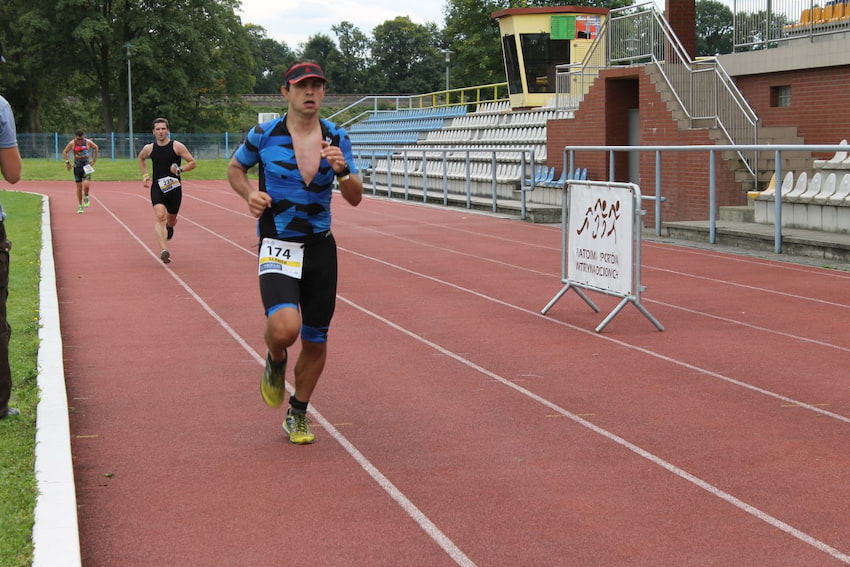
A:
[281,257]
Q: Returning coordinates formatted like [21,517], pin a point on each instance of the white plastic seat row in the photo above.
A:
[531,118]
[812,209]
[500,106]
[813,203]
[523,134]
[475,121]
[839,160]
[818,188]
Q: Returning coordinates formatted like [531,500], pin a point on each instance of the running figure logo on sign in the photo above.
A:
[598,217]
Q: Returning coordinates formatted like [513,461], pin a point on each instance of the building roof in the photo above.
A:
[549,10]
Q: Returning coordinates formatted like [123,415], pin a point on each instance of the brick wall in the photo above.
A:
[681,15]
[820,104]
[602,119]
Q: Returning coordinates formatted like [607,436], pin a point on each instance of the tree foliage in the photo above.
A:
[185,55]
[473,37]
[406,57]
[271,58]
[714,27]
[352,74]
[191,59]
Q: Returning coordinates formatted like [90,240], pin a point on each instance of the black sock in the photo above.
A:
[275,364]
[297,405]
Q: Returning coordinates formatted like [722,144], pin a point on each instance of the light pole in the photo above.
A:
[448,53]
[129,46]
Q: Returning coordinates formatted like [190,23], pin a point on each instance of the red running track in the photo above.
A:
[455,424]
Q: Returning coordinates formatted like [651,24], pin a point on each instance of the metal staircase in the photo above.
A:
[701,91]
[764,164]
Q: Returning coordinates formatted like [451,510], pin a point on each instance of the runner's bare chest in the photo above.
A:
[308,152]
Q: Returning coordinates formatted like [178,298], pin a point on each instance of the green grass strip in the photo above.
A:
[116,170]
[17,434]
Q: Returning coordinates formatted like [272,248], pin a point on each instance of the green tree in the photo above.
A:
[758,30]
[207,61]
[473,37]
[272,59]
[714,28]
[186,55]
[322,49]
[406,57]
[353,63]
[36,77]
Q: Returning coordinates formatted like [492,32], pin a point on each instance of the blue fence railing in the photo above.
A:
[115,145]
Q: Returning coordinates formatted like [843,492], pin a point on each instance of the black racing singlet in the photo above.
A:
[161,159]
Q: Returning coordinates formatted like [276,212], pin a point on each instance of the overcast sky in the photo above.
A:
[294,21]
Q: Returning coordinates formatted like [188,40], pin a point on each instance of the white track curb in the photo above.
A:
[55,535]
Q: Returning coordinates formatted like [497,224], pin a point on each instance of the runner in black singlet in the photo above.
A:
[166,187]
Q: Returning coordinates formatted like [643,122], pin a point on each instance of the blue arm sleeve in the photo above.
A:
[248,154]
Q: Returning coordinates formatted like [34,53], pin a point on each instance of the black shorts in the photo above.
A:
[80,175]
[171,200]
[314,293]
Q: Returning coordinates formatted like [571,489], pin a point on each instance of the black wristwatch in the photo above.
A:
[344,174]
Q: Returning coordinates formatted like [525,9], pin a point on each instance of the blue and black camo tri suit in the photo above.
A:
[299,213]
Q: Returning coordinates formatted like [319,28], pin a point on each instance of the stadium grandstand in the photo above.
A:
[630,77]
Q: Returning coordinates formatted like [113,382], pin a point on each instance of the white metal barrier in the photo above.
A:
[601,245]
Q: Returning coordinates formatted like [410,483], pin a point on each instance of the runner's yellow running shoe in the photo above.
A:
[80,210]
[297,426]
[272,385]
[86,201]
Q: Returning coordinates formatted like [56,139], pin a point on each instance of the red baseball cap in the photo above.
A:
[300,71]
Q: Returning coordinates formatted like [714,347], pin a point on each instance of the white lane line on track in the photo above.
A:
[671,360]
[681,473]
[783,264]
[791,336]
[547,274]
[752,287]
[397,495]
[726,256]
[599,336]
[780,264]
[515,266]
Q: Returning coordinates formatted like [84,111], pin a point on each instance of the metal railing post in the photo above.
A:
[445,177]
[777,193]
[658,192]
[468,166]
[424,177]
[712,199]
[495,196]
[406,175]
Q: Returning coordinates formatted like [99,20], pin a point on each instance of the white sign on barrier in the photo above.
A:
[600,240]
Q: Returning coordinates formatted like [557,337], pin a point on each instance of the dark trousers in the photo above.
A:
[5,329]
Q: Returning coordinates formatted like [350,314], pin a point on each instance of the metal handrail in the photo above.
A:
[778,149]
[436,99]
[702,89]
[404,154]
